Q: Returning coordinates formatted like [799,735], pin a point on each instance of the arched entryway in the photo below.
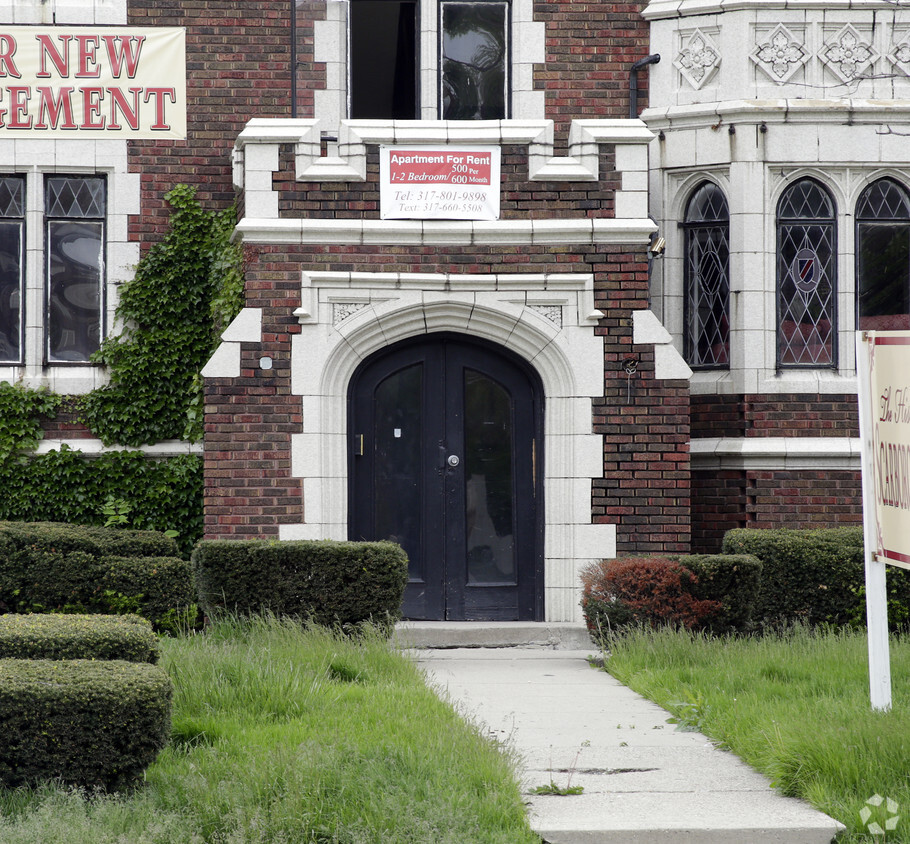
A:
[447,459]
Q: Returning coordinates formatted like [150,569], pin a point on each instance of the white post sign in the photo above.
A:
[883,374]
[439,183]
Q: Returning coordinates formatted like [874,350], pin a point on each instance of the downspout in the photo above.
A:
[654,58]
[294,58]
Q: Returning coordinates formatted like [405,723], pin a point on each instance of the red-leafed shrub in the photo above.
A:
[643,590]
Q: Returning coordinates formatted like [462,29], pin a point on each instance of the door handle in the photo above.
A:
[453,460]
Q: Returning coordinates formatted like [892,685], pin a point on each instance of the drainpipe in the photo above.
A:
[294,58]
[654,58]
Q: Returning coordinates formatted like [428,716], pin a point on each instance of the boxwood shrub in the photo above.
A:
[126,637]
[98,541]
[88,723]
[49,567]
[330,583]
[815,576]
[733,580]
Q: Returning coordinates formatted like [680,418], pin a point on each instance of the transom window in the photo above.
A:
[75,209]
[12,276]
[385,50]
[883,257]
[707,280]
[806,277]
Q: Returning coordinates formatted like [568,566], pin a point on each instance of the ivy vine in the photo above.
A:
[21,410]
[186,288]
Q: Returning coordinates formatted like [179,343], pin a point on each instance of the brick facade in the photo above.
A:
[797,498]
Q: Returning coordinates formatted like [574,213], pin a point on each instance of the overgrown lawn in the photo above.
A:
[288,736]
[795,706]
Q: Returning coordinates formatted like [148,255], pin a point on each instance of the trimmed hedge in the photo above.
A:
[734,580]
[84,722]
[50,567]
[124,637]
[705,591]
[815,576]
[99,541]
[330,583]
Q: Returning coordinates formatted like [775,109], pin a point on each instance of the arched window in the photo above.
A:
[883,257]
[806,277]
[707,279]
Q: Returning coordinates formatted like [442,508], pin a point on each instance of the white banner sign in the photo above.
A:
[92,82]
[439,183]
[885,365]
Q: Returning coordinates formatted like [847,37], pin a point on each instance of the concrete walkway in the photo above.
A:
[644,781]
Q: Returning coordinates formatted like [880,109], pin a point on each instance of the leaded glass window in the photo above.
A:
[707,279]
[806,277]
[474,53]
[883,257]
[74,214]
[12,292]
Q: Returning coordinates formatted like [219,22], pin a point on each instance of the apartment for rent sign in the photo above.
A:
[94,81]
[439,183]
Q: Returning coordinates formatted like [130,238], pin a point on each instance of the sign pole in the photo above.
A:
[876,587]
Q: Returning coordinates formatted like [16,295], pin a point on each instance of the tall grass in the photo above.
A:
[795,706]
[282,734]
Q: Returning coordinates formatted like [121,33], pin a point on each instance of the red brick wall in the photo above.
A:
[785,415]
[590,48]
[249,420]
[722,500]
[238,59]
[644,489]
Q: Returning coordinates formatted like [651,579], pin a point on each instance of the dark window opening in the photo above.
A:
[384,59]
[707,279]
[883,257]
[12,277]
[75,211]
[806,277]
[474,58]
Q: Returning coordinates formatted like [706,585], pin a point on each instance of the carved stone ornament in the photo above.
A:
[550,312]
[900,56]
[780,55]
[847,54]
[698,60]
[342,310]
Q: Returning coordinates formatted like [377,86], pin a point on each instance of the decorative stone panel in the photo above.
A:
[698,59]
[848,53]
[780,54]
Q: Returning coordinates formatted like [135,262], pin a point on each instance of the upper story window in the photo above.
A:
[471,79]
[74,210]
[883,257]
[806,277]
[12,267]
[707,279]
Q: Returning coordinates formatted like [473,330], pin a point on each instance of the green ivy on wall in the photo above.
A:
[186,289]
[21,410]
[67,486]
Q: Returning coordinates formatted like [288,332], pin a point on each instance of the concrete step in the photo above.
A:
[548,635]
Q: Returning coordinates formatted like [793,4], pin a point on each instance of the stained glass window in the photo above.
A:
[806,277]
[707,279]
[12,226]
[74,212]
[883,257]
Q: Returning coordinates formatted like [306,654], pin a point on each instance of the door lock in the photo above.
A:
[453,460]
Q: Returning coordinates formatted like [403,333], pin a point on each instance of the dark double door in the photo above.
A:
[446,461]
